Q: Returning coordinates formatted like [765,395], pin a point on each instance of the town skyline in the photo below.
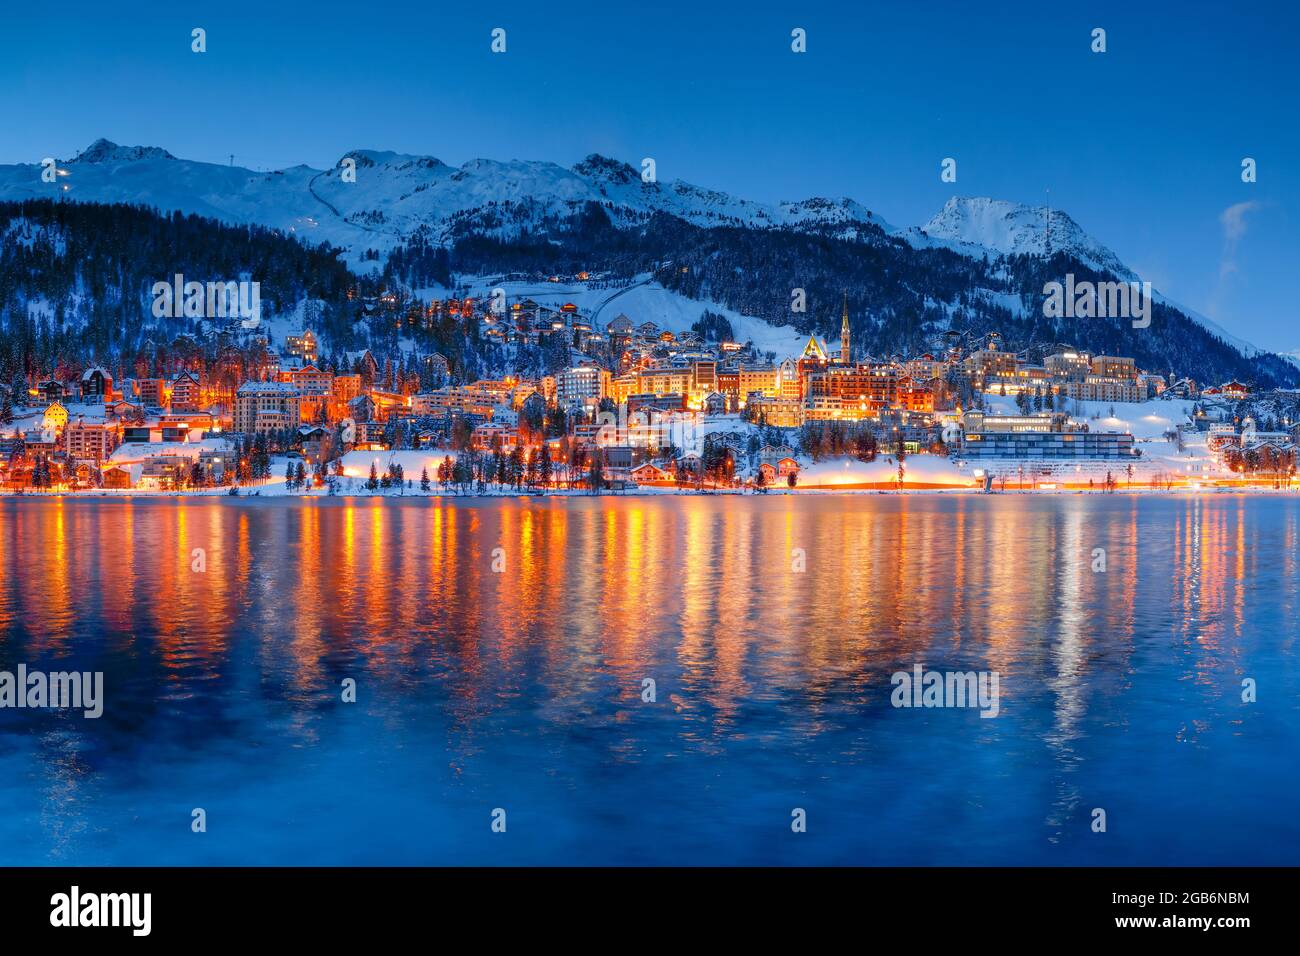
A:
[637,436]
[637,408]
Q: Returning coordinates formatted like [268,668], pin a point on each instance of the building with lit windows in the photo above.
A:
[267,407]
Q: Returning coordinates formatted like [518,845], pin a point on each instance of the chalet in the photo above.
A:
[186,394]
[650,472]
[302,346]
[18,475]
[123,410]
[96,385]
[51,390]
[774,453]
[361,363]
[691,462]
[312,440]
[119,477]
[435,367]
[1277,441]
[85,474]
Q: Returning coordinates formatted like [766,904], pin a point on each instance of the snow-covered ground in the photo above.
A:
[642,301]
[1148,422]
[918,470]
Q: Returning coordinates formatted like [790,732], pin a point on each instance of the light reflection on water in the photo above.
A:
[522,689]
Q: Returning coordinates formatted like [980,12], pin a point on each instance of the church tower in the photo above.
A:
[844,333]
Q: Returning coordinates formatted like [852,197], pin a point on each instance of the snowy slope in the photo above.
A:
[642,301]
[979,226]
[395,194]
[973,225]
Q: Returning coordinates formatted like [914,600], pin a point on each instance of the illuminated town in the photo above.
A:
[453,440]
[638,408]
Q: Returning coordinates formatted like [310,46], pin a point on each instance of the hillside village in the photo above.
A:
[639,407]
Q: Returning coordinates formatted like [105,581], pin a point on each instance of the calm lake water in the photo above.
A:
[522,689]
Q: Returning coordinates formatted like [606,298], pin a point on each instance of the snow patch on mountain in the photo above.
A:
[974,225]
[393,195]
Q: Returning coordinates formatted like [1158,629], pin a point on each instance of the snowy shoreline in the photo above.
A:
[270,491]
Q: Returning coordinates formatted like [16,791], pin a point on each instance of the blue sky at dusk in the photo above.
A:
[1142,145]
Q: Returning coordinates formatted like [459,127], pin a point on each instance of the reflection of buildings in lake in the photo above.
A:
[699,593]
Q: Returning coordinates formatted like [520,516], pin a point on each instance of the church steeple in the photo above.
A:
[844,332]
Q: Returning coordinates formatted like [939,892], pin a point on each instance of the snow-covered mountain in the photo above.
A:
[394,196]
[973,226]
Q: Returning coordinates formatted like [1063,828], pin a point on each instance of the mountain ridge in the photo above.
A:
[400,199]
[423,192]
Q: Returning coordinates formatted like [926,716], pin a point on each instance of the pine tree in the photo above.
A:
[516,466]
